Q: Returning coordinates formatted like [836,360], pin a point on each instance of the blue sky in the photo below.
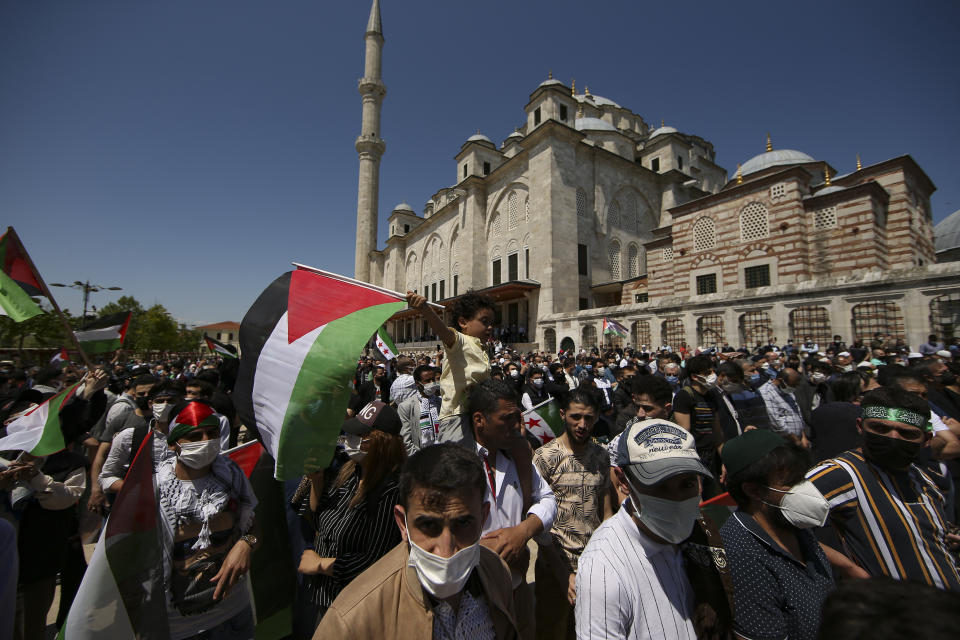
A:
[189,151]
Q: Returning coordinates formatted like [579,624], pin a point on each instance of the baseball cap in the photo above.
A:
[376,415]
[653,450]
[740,452]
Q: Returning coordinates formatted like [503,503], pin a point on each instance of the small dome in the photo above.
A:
[593,124]
[947,233]
[661,131]
[550,82]
[515,134]
[600,101]
[776,158]
[479,137]
[403,206]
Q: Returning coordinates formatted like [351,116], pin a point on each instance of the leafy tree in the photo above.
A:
[44,330]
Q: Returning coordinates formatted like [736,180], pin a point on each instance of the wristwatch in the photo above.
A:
[250,539]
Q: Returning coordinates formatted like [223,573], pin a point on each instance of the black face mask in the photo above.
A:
[891,454]
[143,404]
[947,378]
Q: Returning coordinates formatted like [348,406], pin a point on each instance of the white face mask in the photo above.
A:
[352,445]
[803,505]
[709,381]
[431,389]
[514,373]
[162,410]
[818,377]
[668,519]
[443,577]
[198,455]
[537,382]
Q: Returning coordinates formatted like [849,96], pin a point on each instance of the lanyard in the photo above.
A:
[490,477]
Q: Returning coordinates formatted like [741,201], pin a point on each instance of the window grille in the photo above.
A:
[813,322]
[945,316]
[614,253]
[667,254]
[640,298]
[754,222]
[581,203]
[643,262]
[614,217]
[640,332]
[496,228]
[588,337]
[526,210]
[707,283]
[825,219]
[755,328]
[633,262]
[549,340]
[877,316]
[710,330]
[629,214]
[757,276]
[673,333]
[703,234]
[778,191]
[513,213]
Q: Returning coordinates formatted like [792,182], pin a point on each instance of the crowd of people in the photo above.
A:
[767,492]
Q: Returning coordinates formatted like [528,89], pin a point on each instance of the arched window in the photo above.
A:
[945,316]
[643,262]
[629,213]
[710,330]
[614,253]
[513,211]
[672,333]
[640,333]
[588,337]
[877,316]
[755,328]
[581,203]
[703,234]
[614,215]
[496,227]
[813,322]
[526,209]
[754,222]
[549,340]
[633,261]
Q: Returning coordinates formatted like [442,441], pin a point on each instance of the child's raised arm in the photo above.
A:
[436,323]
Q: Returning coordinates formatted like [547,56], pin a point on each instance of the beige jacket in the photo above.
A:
[386,602]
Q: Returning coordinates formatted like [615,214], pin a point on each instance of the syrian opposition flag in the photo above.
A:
[122,594]
[614,328]
[385,347]
[60,357]
[544,421]
[18,281]
[105,334]
[38,431]
[218,347]
[300,341]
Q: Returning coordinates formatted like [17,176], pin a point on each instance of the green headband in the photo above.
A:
[182,429]
[896,415]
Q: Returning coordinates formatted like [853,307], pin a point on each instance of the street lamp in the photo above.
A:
[87,289]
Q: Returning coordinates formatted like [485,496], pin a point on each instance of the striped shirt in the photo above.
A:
[629,586]
[356,536]
[893,524]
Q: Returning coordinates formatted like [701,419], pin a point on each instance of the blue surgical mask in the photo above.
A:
[755,378]
[673,379]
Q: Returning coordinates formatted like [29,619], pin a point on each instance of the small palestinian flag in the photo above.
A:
[219,348]
[614,328]
[544,421]
[60,357]
[105,334]
[38,431]
[385,347]
[300,341]
[122,595]
[18,282]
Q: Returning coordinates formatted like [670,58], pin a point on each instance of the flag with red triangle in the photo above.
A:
[300,341]
[60,357]
[18,282]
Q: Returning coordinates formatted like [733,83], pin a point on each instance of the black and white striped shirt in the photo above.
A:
[356,536]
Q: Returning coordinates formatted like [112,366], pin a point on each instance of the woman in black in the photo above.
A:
[353,516]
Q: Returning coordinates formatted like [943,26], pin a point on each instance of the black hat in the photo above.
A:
[376,415]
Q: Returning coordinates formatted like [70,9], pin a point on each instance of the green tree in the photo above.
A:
[157,330]
[43,330]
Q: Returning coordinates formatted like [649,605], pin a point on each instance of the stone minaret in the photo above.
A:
[370,146]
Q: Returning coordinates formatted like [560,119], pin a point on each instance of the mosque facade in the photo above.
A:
[587,211]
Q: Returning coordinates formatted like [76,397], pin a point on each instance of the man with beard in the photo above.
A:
[780,575]
[888,511]
[577,470]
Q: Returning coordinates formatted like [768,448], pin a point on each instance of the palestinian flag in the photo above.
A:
[385,347]
[38,431]
[614,328]
[273,577]
[105,334]
[218,347]
[719,508]
[300,341]
[18,281]
[122,594]
[60,357]
[544,421]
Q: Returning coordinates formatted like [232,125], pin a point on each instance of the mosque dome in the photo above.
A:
[403,206]
[662,130]
[550,82]
[593,124]
[600,101]
[947,233]
[479,137]
[775,158]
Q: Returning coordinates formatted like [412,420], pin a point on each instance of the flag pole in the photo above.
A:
[360,283]
[545,402]
[46,291]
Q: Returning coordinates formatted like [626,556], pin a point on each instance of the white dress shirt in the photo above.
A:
[629,586]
